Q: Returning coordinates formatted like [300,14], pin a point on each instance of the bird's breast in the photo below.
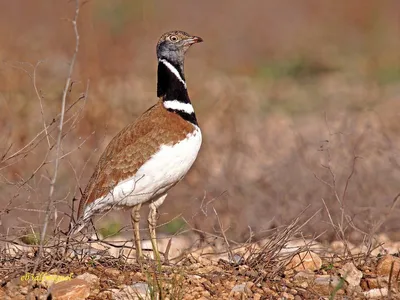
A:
[155,177]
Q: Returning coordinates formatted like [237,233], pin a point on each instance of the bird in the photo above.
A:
[153,153]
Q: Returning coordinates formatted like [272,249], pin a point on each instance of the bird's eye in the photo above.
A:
[173,38]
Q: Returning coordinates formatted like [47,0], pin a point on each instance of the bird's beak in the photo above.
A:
[193,40]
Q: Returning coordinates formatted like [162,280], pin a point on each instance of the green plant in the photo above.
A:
[337,288]
[174,226]
[31,238]
[92,262]
[177,291]
[327,267]
[160,286]
[110,229]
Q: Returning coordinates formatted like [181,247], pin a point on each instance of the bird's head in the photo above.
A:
[173,45]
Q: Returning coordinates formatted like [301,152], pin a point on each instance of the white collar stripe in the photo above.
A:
[173,70]
[177,105]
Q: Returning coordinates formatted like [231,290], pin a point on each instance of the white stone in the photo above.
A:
[351,274]
[376,293]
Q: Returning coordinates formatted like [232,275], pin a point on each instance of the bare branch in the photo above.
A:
[39,96]
[50,203]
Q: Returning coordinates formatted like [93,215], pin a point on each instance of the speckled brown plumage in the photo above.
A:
[131,148]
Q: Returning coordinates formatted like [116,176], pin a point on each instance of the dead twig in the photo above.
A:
[50,203]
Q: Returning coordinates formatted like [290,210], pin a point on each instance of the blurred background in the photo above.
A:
[298,101]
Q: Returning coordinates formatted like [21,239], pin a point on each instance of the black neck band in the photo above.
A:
[170,87]
[168,84]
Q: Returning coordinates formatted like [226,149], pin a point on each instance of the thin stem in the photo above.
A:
[53,181]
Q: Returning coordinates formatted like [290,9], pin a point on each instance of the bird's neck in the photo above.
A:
[171,87]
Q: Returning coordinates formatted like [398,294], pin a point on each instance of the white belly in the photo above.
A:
[162,171]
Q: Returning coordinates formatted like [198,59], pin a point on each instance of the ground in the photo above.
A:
[300,270]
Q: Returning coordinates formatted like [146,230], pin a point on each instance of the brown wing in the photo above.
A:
[131,148]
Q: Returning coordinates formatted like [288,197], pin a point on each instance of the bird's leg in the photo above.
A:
[135,218]
[152,219]
[152,228]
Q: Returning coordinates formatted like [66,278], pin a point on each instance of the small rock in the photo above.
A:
[12,287]
[376,293]
[269,292]
[304,275]
[16,250]
[112,272]
[105,295]
[249,285]
[238,288]
[326,284]
[287,296]
[229,284]
[141,287]
[385,264]
[374,283]
[205,294]
[16,297]
[305,261]
[340,246]
[23,290]
[237,259]
[257,297]
[35,294]
[364,284]
[303,279]
[138,290]
[351,274]
[392,248]
[321,284]
[77,289]
[177,245]
[242,253]
[92,279]
[48,280]
[301,244]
